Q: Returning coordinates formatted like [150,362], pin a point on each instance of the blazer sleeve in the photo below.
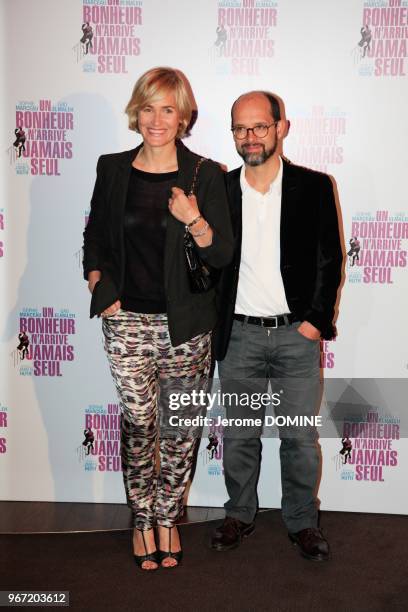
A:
[329,262]
[93,246]
[213,203]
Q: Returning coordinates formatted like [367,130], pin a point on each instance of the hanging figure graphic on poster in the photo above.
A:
[212,445]
[23,345]
[88,443]
[346,449]
[354,251]
[365,40]
[19,143]
[87,36]
[221,38]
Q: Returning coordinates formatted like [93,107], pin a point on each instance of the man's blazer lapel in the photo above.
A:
[290,194]
[235,201]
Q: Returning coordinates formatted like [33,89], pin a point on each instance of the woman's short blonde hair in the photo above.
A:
[154,84]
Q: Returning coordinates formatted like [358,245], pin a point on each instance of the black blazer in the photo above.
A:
[188,314]
[311,254]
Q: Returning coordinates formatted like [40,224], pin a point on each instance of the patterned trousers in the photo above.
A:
[143,363]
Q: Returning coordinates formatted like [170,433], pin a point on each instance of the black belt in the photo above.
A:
[271,322]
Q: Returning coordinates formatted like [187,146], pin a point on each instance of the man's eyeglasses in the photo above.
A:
[240,132]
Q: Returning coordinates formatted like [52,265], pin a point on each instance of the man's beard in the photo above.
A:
[257,159]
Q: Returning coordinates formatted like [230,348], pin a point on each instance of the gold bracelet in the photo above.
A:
[202,232]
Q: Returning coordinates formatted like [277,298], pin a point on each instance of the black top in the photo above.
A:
[145,224]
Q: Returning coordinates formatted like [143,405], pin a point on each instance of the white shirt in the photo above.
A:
[260,287]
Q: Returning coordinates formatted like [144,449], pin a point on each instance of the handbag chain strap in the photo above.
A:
[197,168]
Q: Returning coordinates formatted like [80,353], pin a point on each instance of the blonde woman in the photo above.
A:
[155,327]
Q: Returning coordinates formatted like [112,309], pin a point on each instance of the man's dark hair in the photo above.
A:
[273,101]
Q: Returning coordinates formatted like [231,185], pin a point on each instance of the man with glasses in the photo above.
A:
[276,301]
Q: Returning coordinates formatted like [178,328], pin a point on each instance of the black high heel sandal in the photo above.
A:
[153,556]
[168,554]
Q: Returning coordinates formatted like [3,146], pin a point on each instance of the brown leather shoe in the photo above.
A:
[311,543]
[231,533]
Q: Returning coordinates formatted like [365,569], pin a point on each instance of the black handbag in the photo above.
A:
[104,294]
[200,275]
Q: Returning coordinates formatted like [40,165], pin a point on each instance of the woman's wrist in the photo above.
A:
[201,231]
[203,237]
[93,277]
[194,221]
[197,225]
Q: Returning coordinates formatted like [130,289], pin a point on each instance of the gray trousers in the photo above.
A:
[288,361]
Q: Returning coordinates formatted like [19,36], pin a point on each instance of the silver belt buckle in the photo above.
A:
[270,321]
